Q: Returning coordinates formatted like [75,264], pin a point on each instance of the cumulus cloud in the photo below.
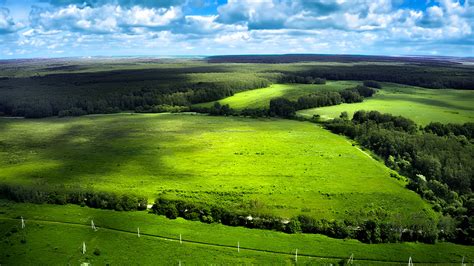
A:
[305,14]
[242,26]
[103,19]
[7,24]
[124,3]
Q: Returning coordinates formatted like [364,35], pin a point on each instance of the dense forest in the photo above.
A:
[295,58]
[94,93]
[429,72]
[437,159]
[49,88]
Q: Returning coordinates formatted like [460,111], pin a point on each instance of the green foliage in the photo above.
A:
[162,108]
[344,116]
[61,196]
[282,107]
[147,90]
[417,72]
[439,166]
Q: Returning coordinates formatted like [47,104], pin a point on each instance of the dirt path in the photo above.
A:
[365,153]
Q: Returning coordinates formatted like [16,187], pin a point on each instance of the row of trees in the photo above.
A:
[285,108]
[368,231]
[371,230]
[439,165]
[61,196]
[288,78]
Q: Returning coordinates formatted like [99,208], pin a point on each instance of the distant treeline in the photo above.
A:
[428,77]
[73,94]
[294,58]
[368,231]
[429,72]
[61,196]
[438,159]
[139,100]
[119,94]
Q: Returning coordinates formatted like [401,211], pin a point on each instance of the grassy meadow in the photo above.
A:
[260,166]
[54,235]
[260,98]
[263,166]
[419,104]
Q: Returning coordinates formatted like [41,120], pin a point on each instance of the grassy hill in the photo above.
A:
[54,235]
[267,166]
[419,104]
[260,98]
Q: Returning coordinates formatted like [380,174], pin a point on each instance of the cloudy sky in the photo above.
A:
[59,28]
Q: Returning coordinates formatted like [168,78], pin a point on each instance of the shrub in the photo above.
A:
[294,226]
[97,251]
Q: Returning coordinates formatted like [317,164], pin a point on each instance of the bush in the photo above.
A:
[97,251]
[294,226]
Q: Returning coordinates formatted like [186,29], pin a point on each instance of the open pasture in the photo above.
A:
[260,98]
[419,104]
[263,166]
[54,235]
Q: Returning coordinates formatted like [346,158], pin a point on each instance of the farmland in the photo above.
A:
[54,234]
[419,104]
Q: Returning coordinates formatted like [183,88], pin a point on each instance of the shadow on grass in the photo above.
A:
[96,149]
[425,101]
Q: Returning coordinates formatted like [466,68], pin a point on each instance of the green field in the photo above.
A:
[419,104]
[54,235]
[263,166]
[260,98]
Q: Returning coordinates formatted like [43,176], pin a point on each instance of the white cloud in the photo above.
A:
[244,26]
[104,19]
[7,24]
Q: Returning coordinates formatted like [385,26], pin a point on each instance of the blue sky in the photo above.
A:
[62,28]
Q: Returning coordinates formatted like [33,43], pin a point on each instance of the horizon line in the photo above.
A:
[195,56]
